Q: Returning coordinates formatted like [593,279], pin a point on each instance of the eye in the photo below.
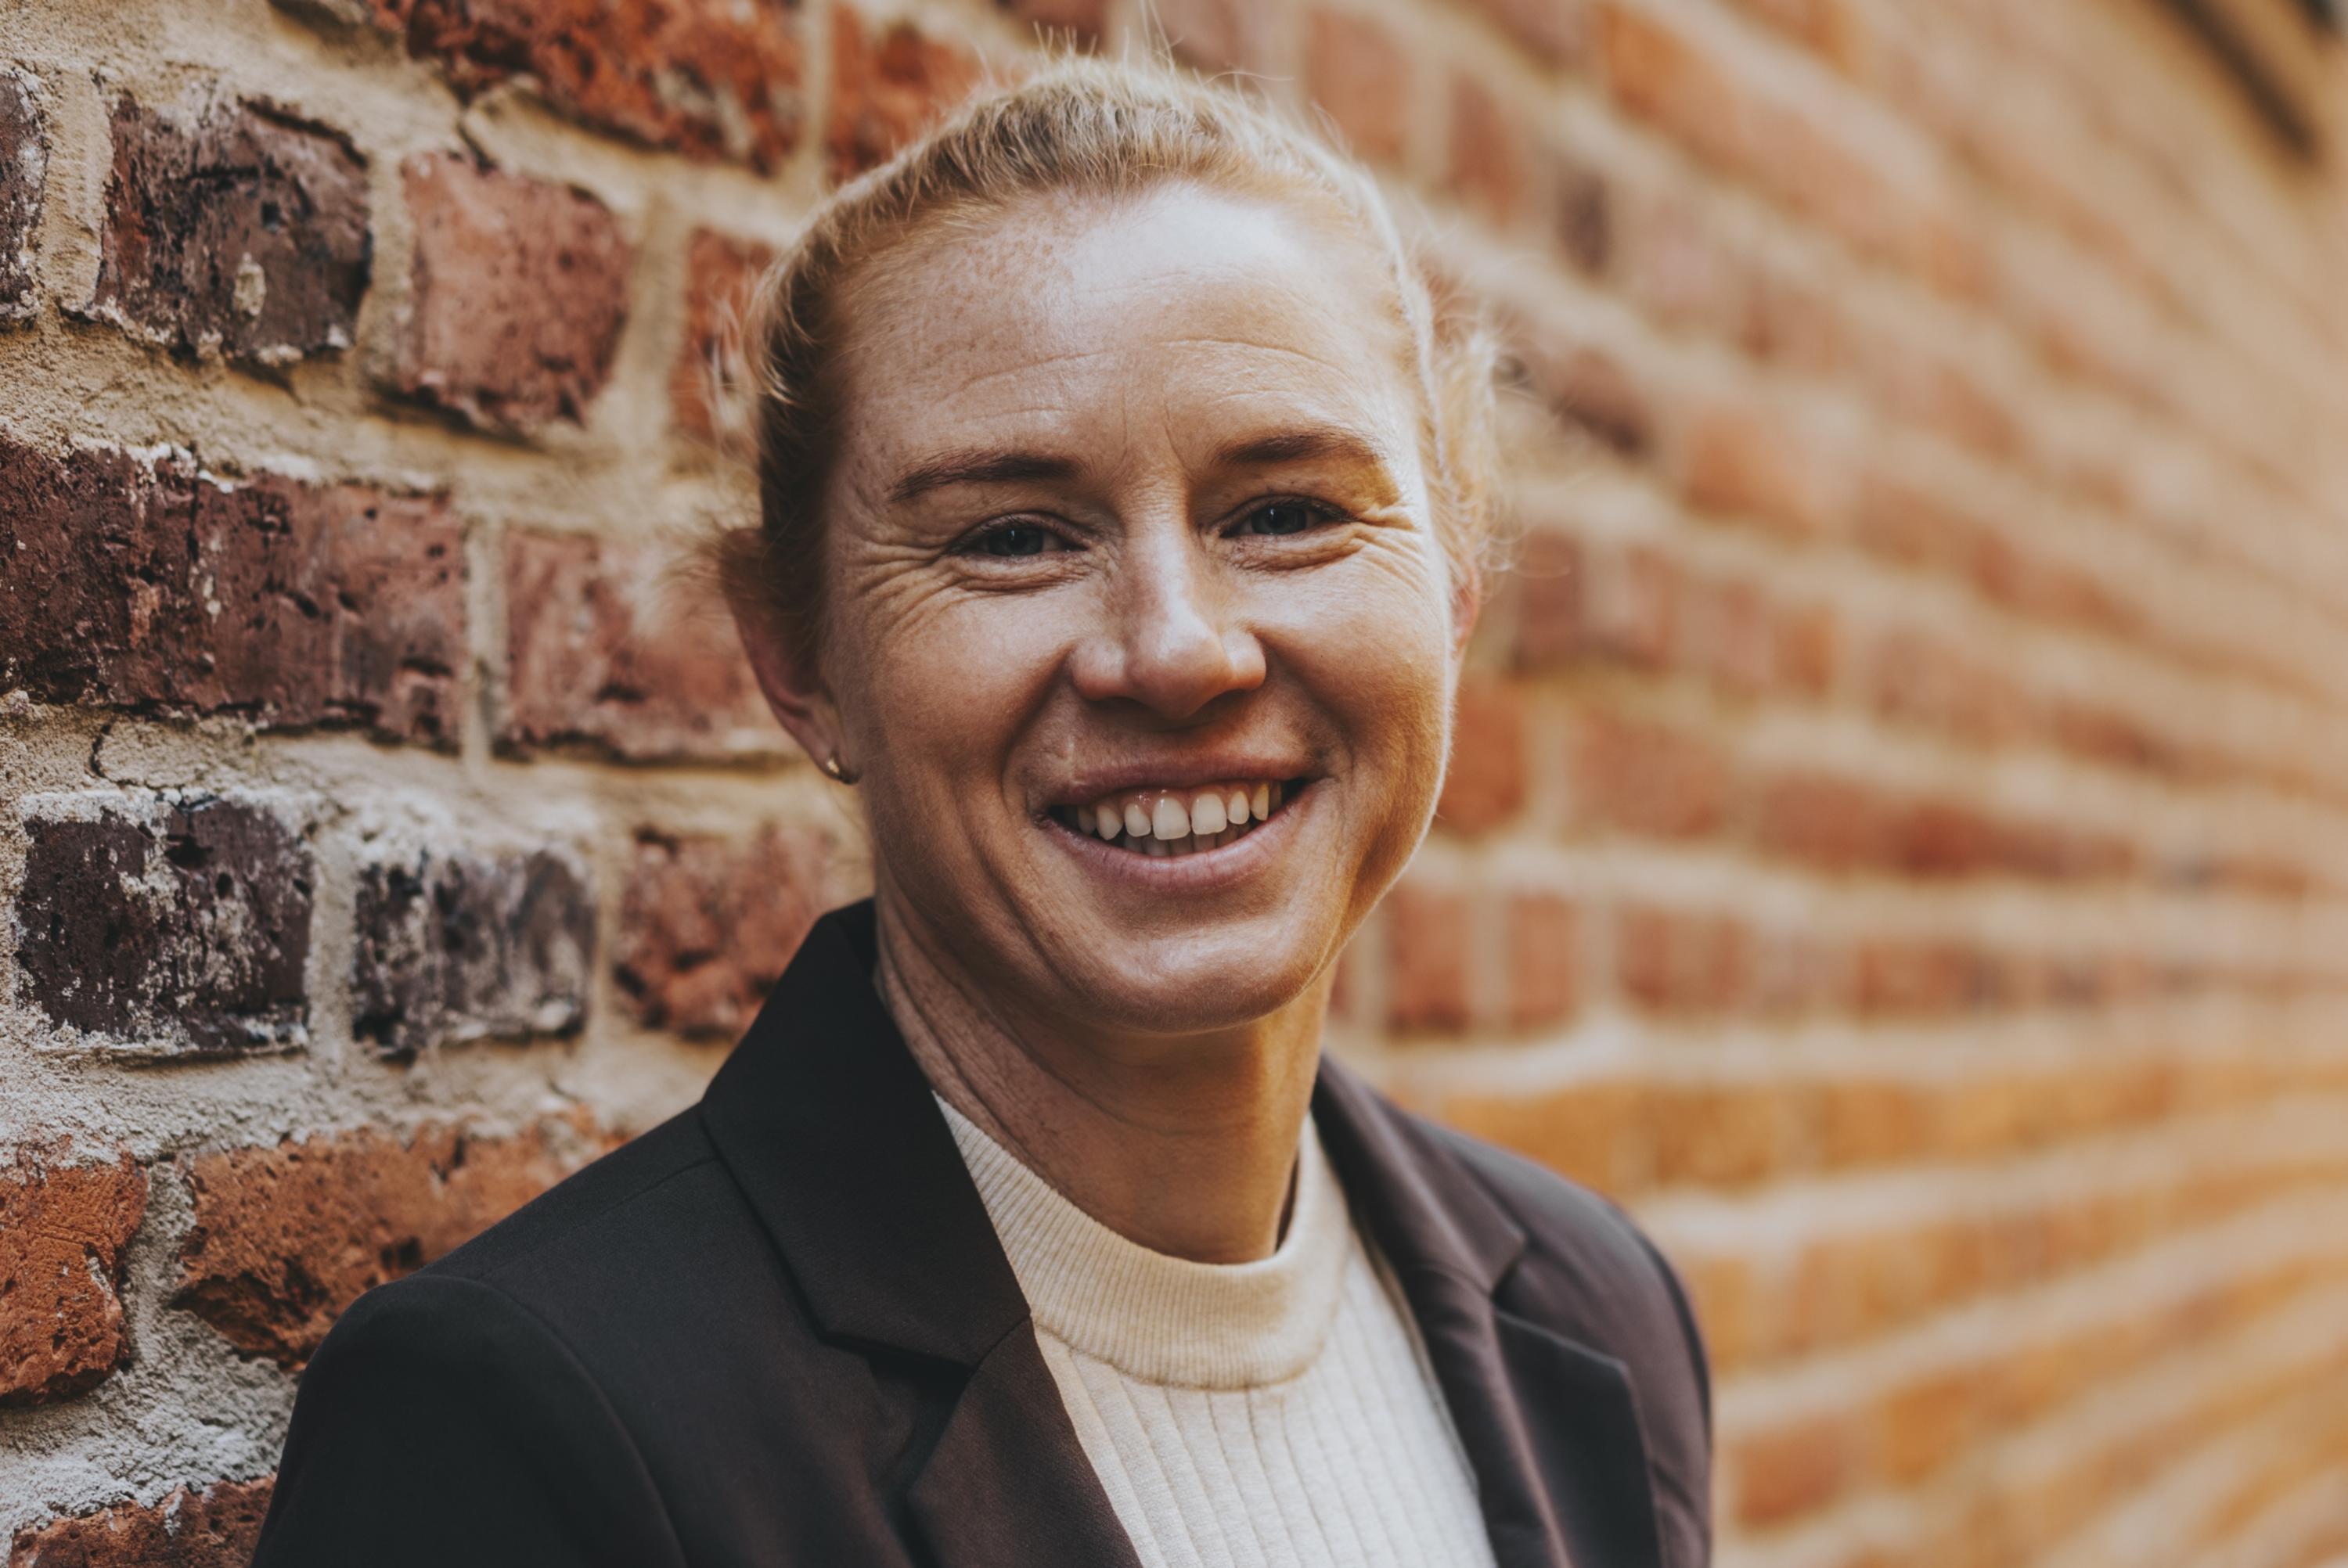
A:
[1279,519]
[1013,542]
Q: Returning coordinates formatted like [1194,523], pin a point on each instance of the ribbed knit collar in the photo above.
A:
[1160,1318]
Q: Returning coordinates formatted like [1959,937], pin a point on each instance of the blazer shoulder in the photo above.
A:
[442,1418]
[605,1195]
[1598,1266]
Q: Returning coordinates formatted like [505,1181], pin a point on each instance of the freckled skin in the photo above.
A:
[1149,599]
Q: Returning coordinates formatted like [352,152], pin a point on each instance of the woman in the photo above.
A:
[1121,494]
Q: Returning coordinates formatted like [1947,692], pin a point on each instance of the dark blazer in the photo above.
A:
[778,1329]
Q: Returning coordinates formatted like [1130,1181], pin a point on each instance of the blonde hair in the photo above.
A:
[1078,126]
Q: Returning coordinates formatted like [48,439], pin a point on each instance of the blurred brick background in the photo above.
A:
[1899,835]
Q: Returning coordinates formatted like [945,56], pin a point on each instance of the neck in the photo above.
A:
[1183,1143]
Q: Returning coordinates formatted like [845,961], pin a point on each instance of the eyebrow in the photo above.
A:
[1305,444]
[979,466]
[997,465]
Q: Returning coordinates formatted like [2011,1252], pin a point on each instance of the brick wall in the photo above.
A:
[1898,840]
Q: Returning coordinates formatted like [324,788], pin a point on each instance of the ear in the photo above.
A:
[793,689]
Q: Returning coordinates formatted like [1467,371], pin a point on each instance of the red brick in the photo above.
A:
[1721,1135]
[1748,462]
[1548,586]
[1729,636]
[1485,785]
[706,926]
[1228,38]
[63,1229]
[1645,778]
[1581,203]
[1592,392]
[145,582]
[887,89]
[1660,75]
[1080,22]
[457,945]
[1792,1468]
[1634,607]
[1806,647]
[709,79]
[1678,961]
[1924,1423]
[1427,941]
[1544,960]
[235,228]
[284,1239]
[1357,72]
[1908,979]
[1593,1131]
[1490,167]
[601,657]
[24,171]
[1793,322]
[167,928]
[215,1526]
[1830,27]
[1555,32]
[1835,823]
[517,293]
[721,272]
[1674,263]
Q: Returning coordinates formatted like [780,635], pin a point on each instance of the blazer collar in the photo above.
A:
[828,1124]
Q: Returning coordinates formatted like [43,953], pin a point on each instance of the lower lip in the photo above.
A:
[1202,868]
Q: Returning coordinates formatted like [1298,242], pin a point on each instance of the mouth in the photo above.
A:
[1170,824]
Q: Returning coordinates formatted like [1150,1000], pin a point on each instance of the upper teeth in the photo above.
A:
[1168,817]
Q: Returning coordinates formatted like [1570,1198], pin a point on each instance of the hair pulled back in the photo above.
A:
[1079,128]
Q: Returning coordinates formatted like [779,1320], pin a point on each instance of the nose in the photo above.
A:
[1171,635]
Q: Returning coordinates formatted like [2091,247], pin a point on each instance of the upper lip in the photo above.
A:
[1188,771]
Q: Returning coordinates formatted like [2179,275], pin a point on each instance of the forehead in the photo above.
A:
[1066,312]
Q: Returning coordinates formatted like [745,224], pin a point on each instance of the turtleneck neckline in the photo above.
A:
[1160,1318]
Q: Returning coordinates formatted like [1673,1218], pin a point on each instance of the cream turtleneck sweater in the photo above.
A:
[1276,1412]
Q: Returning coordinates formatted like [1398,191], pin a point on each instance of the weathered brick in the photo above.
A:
[284,1238]
[1427,944]
[709,79]
[1644,777]
[1589,391]
[169,926]
[720,273]
[1359,74]
[600,656]
[479,945]
[1675,264]
[148,583]
[706,926]
[1544,960]
[24,171]
[1657,72]
[1486,783]
[235,229]
[215,1526]
[887,89]
[63,1229]
[1634,605]
[517,293]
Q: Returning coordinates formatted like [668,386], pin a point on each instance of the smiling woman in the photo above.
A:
[1122,495]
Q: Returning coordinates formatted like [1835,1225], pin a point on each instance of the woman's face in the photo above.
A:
[1129,535]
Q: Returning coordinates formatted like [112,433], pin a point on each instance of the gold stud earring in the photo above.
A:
[832,765]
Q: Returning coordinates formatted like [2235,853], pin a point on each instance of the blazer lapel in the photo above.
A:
[828,1124]
[1550,1424]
